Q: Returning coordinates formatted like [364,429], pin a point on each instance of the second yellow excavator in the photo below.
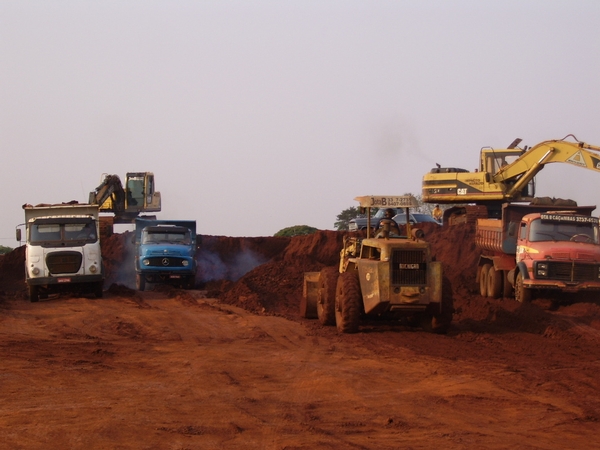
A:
[504,175]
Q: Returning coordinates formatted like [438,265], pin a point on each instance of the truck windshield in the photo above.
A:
[150,237]
[71,233]
[553,231]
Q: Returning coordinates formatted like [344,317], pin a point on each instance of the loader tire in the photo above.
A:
[439,322]
[348,302]
[494,282]
[483,281]
[326,295]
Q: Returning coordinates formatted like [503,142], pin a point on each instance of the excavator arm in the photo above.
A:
[110,195]
[525,168]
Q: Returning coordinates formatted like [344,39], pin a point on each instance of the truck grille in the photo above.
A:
[63,262]
[165,261]
[567,271]
[409,267]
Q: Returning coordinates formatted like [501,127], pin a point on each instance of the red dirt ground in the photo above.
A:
[233,365]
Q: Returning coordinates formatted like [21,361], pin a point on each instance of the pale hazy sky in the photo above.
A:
[259,115]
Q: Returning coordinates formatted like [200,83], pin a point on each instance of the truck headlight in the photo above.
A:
[146,262]
[93,268]
[542,269]
[185,263]
[35,271]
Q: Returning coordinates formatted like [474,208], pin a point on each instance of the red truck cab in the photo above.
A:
[556,250]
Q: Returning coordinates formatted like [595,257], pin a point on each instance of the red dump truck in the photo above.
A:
[538,247]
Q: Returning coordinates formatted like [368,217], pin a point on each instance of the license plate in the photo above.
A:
[409,266]
[174,276]
[63,280]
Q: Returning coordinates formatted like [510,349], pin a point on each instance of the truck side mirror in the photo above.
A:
[18,234]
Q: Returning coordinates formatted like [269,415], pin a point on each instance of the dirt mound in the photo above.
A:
[12,272]
[276,286]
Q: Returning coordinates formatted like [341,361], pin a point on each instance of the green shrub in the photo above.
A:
[295,231]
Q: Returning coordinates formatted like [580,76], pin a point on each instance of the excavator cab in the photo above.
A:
[141,196]
[493,163]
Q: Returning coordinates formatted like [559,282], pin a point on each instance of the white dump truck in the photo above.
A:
[62,250]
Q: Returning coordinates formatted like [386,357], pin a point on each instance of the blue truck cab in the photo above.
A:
[165,252]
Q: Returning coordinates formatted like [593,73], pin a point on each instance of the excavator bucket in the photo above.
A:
[310,291]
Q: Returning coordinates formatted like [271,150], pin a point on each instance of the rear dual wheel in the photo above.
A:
[483,280]
[491,281]
[494,282]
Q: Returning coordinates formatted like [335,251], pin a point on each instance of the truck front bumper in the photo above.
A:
[74,279]
[584,286]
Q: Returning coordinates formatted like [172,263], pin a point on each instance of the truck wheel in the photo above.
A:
[494,282]
[98,291]
[347,303]
[506,286]
[483,282]
[190,284]
[326,295]
[522,294]
[140,282]
[34,293]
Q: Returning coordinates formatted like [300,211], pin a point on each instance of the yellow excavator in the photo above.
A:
[504,176]
[125,203]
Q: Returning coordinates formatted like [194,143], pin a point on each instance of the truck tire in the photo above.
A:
[190,283]
[507,288]
[140,282]
[494,282]
[348,301]
[522,294]
[34,293]
[326,295]
[98,290]
[483,281]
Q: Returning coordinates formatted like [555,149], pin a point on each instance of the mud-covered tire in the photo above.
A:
[483,281]
[34,293]
[439,323]
[494,282]
[522,294]
[348,302]
[140,282]
[326,295]
[507,289]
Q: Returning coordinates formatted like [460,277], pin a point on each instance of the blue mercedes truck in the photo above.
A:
[165,252]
